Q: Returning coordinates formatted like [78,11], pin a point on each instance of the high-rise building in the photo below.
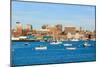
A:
[19,28]
[29,28]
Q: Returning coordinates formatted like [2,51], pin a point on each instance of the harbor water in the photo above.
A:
[34,53]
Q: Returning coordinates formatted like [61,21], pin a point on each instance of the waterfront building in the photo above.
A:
[24,32]
[18,29]
[77,36]
[59,28]
[44,31]
[14,33]
[54,32]
[69,36]
[34,32]
[71,30]
[29,28]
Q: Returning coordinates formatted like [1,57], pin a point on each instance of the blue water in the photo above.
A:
[26,54]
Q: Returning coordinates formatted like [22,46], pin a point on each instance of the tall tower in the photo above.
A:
[29,28]
[19,28]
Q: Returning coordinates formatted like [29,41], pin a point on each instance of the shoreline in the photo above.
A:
[44,40]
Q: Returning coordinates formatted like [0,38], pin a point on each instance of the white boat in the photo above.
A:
[86,44]
[41,48]
[15,38]
[56,43]
[67,44]
[71,48]
[23,37]
[74,40]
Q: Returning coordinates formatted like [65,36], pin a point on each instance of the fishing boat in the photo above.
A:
[41,48]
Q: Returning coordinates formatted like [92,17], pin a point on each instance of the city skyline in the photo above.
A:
[39,14]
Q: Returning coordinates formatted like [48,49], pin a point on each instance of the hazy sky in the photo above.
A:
[38,14]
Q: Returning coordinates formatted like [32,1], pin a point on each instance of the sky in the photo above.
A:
[39,14]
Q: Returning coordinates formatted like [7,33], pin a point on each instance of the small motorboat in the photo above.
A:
[56,42]
[41,48]
[71,48]
[74,40]
[67,44]
[86,44]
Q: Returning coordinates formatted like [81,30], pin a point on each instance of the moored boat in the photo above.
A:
[71,48]
[41,48]
[56,42]
[86,44]
[67,44]
[74,40]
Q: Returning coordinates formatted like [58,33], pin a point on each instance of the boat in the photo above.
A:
[15,38]
[41,48]
[86,44]
[67,44]
[57,42]
[71,48]
[74,40]
[22,38]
